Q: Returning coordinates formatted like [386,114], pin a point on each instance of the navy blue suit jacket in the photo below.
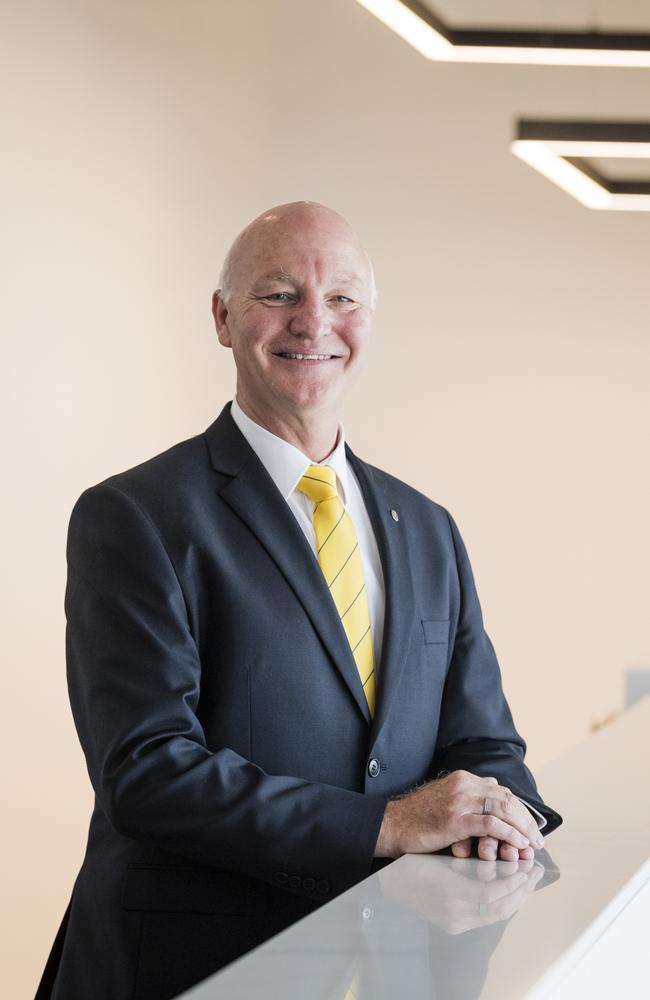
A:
[222,718]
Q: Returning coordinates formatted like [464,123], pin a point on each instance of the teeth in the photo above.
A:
[308,357]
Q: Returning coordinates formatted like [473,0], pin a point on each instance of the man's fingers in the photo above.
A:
[462,848]
[500,801]
[487,848]
[527,854]
[507,807]
[509,853]
[473,825]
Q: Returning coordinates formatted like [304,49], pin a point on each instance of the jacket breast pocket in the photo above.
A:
[190,889]
[436,630]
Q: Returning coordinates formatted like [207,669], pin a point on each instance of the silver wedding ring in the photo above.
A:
[487,806]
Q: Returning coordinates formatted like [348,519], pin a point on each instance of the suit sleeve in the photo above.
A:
[134,679]
[476,730]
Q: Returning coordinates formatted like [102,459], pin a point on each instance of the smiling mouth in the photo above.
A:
[311,358]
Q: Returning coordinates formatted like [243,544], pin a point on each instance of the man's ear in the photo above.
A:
[220,313]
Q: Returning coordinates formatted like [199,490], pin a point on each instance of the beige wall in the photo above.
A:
[508,376]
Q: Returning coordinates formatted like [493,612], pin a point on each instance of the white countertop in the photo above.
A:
[429,926]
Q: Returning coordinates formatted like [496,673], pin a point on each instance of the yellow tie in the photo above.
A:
[340,561]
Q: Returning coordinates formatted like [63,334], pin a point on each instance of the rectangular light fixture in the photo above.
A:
[422,29]
[560,150]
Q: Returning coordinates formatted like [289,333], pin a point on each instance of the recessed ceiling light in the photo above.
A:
[425,31]
[561,151]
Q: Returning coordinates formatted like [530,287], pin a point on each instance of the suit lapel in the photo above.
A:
[400,600]
[254,497]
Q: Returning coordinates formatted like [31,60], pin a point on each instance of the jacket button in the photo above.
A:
[281,877]
[373,768]
[309,884]
[323,886]
[295,881]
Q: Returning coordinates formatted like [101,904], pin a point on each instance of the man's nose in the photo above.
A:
[309,319]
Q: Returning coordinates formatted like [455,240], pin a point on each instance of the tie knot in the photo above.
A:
[319,483]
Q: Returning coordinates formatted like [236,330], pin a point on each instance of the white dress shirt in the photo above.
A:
[286,466]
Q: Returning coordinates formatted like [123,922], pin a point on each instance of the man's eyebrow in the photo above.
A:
[340,281]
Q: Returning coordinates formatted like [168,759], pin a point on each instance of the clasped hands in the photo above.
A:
[448,812]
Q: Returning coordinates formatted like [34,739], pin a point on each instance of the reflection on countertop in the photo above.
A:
[426,922]
[444,928]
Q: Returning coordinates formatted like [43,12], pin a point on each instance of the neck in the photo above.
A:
[315,435]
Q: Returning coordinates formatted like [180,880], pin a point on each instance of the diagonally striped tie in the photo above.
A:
[340,561]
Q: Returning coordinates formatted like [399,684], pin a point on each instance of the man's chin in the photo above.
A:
[312,392]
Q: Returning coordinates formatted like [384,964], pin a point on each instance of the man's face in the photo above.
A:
[300,285]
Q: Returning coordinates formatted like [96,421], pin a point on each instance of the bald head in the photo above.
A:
[305,222]
[295,307]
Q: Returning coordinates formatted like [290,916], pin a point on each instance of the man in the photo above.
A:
[272,648]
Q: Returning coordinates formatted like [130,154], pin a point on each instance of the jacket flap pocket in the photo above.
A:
[435,630]
[187,889]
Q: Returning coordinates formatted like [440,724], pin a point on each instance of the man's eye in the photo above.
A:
[342,298]
[278,296]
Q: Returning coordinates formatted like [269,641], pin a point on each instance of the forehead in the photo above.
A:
[322,252]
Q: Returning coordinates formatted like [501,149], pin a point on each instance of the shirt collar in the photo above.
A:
[285,463]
